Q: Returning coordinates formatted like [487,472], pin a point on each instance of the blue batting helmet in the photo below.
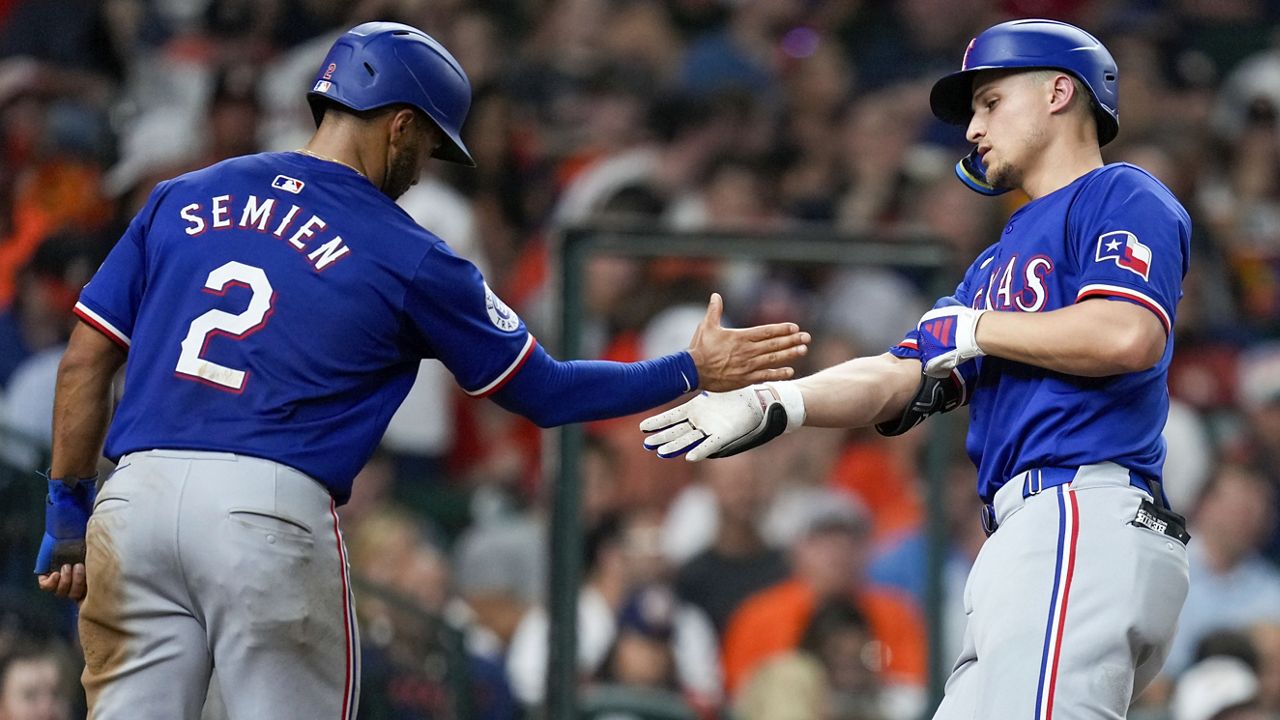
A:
[1033,44]
[383,63]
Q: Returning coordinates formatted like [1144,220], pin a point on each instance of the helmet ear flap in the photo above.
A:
[973,174]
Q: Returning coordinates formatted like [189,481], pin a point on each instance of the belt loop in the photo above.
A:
[988,514]
[1034,484]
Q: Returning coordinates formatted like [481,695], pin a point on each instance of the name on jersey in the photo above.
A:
[1013,285]
[266,216]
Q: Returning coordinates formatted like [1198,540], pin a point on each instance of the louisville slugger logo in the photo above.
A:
[1123,248]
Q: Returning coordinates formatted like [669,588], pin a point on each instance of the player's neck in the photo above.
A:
[1061,163]
[345,146]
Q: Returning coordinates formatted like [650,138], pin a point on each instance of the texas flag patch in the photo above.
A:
[1123,247]
[287,184]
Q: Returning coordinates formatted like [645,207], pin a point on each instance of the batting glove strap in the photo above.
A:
[948,338]
[718,425]
[66,519]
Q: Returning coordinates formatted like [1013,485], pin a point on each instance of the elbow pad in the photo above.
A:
[934,395]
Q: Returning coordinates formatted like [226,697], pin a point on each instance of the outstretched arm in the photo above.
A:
[551,392]
[860,392]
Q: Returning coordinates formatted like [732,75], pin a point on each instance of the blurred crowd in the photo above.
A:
[788,583]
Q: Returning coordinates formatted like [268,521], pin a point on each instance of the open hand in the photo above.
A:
[729,358]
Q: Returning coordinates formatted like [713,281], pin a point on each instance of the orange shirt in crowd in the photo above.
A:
[872,473]
[773,621]
[49,198]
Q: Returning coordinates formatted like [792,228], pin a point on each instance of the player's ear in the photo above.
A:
[403,124]
[1062,90]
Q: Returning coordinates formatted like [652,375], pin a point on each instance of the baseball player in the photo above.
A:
[273,309]
[1058,338]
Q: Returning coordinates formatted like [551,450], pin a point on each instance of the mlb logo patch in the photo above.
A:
[1122,247]
[322,86]
[287,184]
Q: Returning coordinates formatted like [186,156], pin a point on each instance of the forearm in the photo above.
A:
[859,392]
[551,392]
[1095,338]
[82,404]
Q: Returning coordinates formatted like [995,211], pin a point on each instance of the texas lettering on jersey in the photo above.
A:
[259,214]
[1016,285]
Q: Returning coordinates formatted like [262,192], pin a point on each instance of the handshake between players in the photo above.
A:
[888,391]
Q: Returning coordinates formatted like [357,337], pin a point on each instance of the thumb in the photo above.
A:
[715,310]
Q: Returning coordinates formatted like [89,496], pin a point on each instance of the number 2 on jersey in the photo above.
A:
[219,322]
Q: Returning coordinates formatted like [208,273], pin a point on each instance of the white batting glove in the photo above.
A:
[948,339]
[716,425]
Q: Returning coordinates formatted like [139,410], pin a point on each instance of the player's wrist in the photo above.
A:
[687,366]
[70,479]
[975,346]
[791,398]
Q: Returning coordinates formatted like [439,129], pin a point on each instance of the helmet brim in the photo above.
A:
[951,98]
[452,150]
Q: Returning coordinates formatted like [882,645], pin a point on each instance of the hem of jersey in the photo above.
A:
[99,323]
[1127,293]
[497,383]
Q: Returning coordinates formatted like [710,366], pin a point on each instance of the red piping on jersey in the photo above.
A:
[1143,301]
[100,328]
[512,372]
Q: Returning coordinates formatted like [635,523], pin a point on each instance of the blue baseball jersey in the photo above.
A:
[1115,233]
[279,305]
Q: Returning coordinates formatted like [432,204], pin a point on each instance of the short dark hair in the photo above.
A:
[326,106]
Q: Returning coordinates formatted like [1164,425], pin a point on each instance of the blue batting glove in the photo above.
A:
[66,518]
[948,338]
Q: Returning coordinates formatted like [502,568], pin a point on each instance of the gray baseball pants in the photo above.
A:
[202,559]
[1070,608]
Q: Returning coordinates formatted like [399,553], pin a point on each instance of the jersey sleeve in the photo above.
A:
[462,322]
[1131,241]
[109,302]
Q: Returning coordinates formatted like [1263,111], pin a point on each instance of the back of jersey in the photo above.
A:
[263,303]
